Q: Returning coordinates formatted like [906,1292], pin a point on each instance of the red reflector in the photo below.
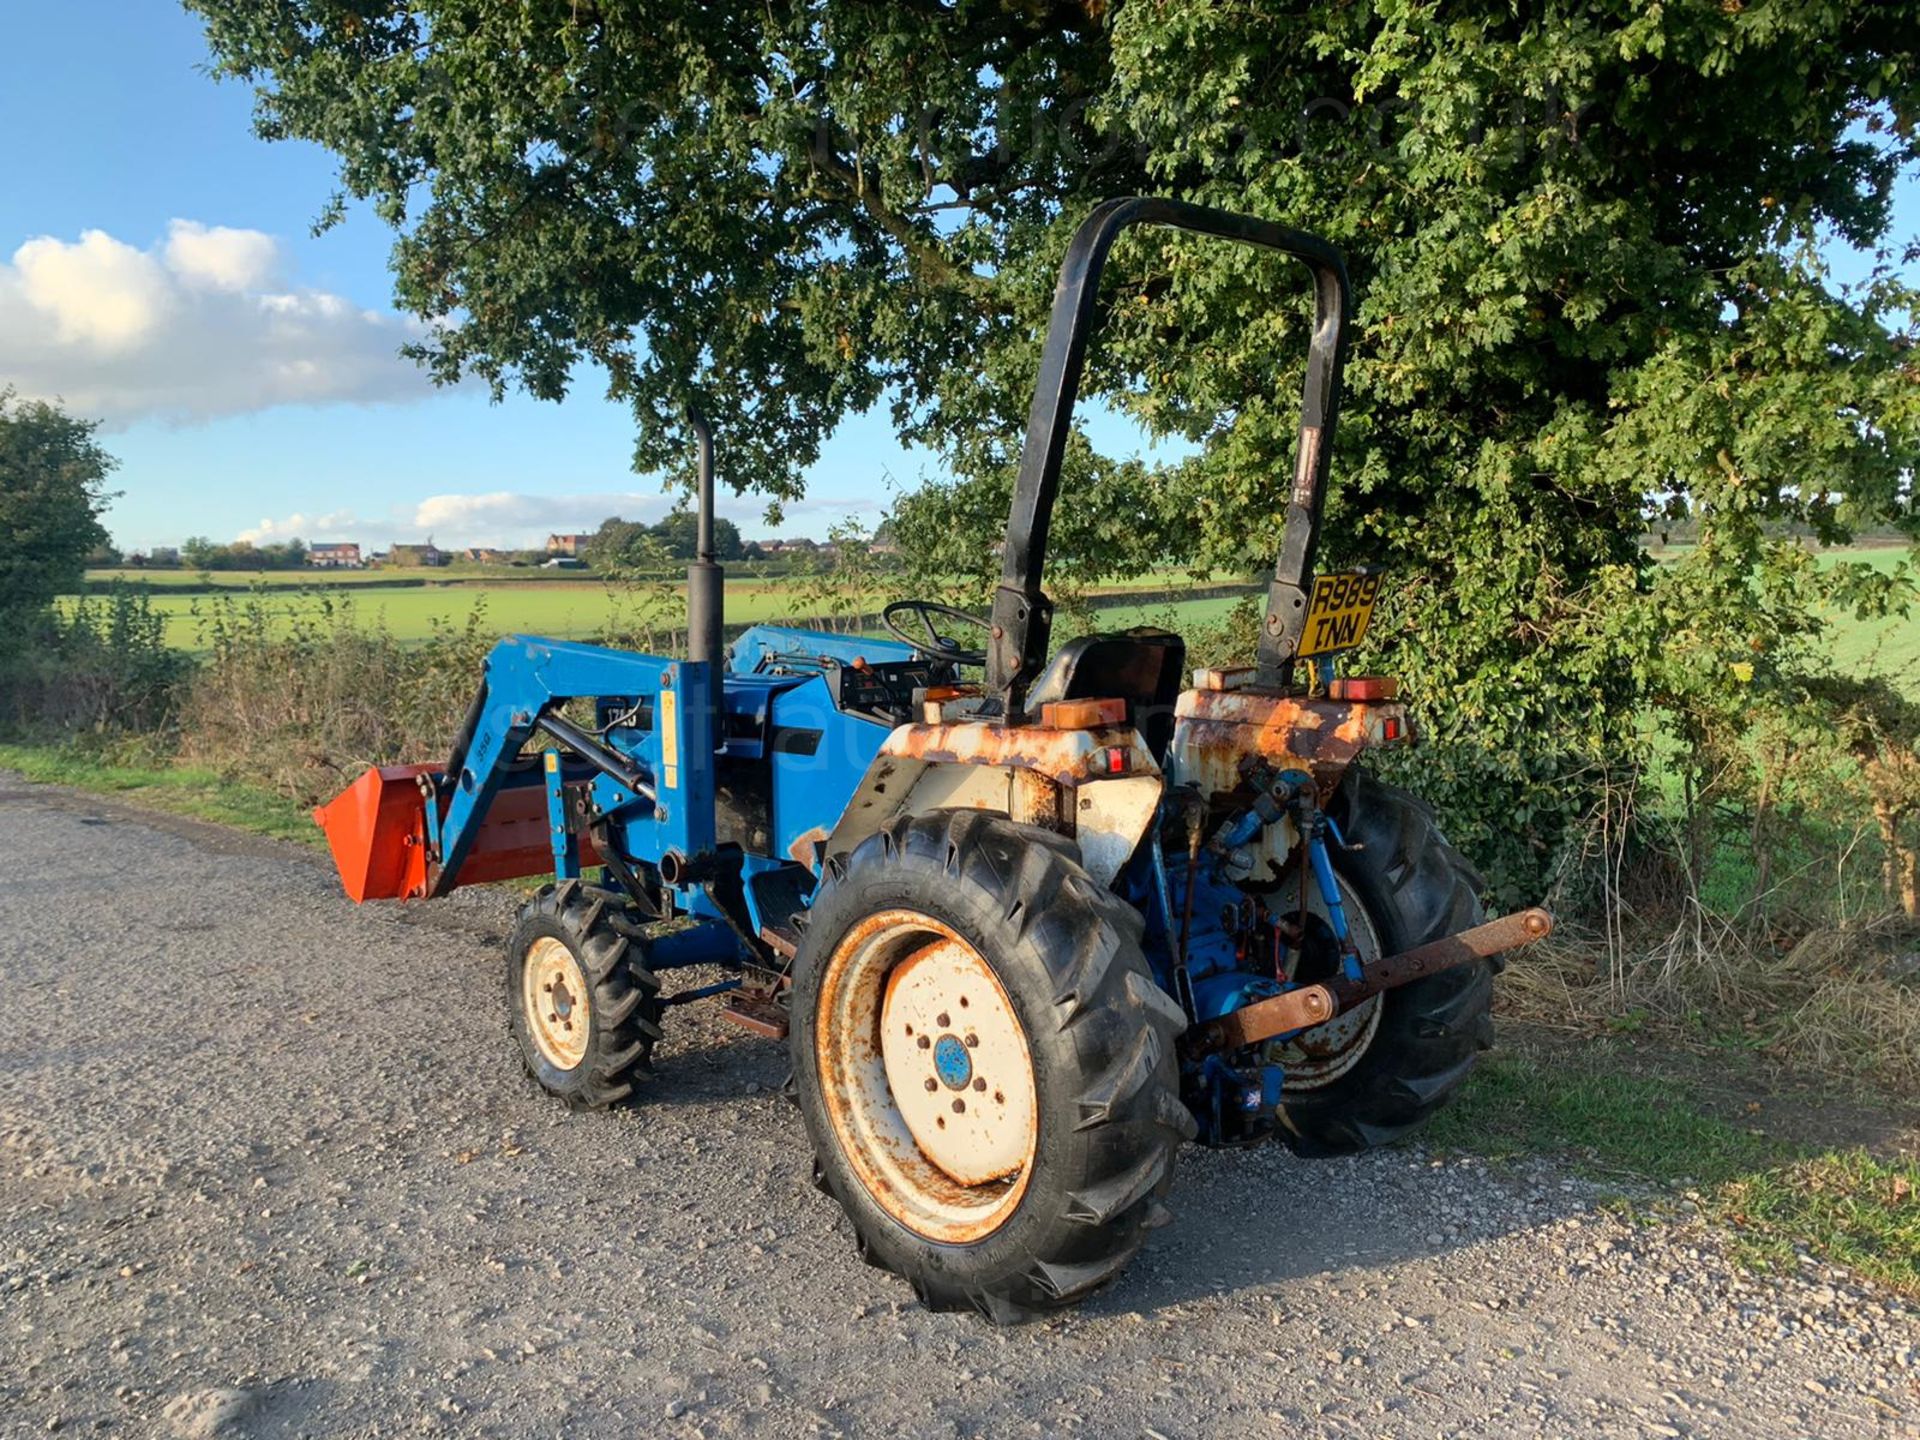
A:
[1391,730]
[1364,687]
[1116,760]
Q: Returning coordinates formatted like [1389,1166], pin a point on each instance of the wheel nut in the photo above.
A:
[941,1020]
[932,1084]
[959,1107]
[925,1043]
[973,1042]
[978,1083]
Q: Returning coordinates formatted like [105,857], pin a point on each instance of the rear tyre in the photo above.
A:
[582,1005]
[1414,887]
[984,1063]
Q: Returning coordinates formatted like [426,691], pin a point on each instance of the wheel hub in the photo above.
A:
[926,1077]
[950,1062]
[553,995]
[957,1063]
[1318,1057]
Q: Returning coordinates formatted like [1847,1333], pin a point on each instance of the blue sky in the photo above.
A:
[246,366]
[126,135]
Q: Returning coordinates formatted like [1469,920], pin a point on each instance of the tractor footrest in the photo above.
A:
[762,1016]
[779,898]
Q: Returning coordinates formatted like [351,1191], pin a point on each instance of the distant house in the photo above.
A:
[486,555]
[427,554]
[334,555]
[800,546]
[569,545]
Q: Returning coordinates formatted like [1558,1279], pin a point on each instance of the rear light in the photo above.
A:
[1364,688]
[1110,760]
[1082,714]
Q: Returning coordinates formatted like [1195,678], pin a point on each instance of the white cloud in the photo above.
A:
[505,517]
[190,330]
[95,295]
[220,257]
[304,527]
[515,520]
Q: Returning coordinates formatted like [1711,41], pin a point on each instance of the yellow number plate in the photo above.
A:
[1342,609]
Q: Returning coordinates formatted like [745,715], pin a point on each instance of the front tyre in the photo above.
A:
[581,1003]
[984,1063]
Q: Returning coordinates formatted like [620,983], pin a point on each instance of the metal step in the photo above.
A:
[757,1013]
[780,900]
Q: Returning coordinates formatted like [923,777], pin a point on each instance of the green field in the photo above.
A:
[1888,648]
[579,606]
[243,580]
[567,609]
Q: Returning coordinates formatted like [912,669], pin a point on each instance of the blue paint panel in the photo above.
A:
[566,848]
[766,645]
[819,758]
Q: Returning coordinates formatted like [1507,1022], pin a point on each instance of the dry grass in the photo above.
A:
[303,713]
[1837,1002]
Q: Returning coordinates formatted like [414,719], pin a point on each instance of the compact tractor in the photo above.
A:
[1026,922]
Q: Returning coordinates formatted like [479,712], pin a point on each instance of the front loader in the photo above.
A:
[1027,919]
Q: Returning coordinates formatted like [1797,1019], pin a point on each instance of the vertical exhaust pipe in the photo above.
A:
[706,620]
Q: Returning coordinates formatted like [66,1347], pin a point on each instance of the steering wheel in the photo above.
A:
[934,646]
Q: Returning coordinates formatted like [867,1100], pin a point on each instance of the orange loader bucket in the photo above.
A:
[377,831]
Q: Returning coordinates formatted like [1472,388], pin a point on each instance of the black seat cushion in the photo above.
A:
[1144,666]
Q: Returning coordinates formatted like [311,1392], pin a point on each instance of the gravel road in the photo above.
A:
[268,1167]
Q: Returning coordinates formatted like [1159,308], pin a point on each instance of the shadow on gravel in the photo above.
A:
[1242,1219]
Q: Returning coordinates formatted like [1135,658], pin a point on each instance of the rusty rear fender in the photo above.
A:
[1215,730]
[1100,785]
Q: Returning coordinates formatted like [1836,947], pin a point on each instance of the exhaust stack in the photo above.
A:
[706,619]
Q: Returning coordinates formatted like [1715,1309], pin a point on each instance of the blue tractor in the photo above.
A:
[1027,919]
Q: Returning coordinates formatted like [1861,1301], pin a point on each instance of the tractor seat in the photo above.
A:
[1143,666]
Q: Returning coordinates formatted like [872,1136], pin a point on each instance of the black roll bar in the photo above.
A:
[1022,614]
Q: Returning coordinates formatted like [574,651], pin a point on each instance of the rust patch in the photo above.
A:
[1065,756]
[1215,730]
[757,1015]
[1034,799]
[803,845]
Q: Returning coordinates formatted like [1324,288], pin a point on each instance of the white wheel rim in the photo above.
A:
[927,1076]
[554,995]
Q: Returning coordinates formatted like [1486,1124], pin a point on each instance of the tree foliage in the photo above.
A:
[53,476]
[198,552]
[632,545]
[1582,238]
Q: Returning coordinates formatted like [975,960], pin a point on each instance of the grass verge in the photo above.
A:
[182,790]
[1778,1197]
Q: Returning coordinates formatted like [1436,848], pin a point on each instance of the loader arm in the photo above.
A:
[664,788]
